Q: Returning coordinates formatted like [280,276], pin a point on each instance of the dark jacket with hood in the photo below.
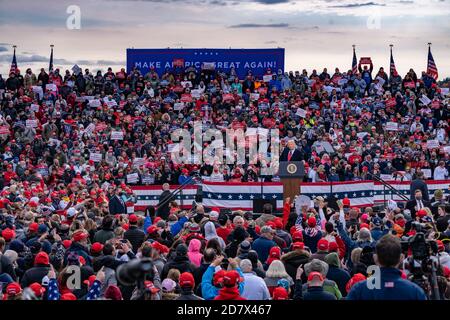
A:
[336,273]
[292,260]
[103,235]
[181,263]
[319,255]
[34,274]
[317,293]
[188,294]
[135,236]
[80,250]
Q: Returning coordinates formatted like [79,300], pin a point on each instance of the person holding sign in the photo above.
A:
[366,72]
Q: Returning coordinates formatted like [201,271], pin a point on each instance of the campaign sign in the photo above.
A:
[365,60]
[242,60]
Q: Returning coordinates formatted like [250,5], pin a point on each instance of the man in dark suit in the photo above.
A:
[116,203]
[420,184]
[163,205]
[291,153]
[418,203]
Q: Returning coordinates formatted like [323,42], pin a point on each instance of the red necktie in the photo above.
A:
[289,155]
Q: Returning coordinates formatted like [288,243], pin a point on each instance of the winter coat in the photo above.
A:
[336,273]
[79,250]
[135,236]
[188,295]
[317,293]
[229,294]
[194,252]
[103,235]
[110,265]
[292,260]
[181,263]
[319,255]
[211,233]
[329,286]
[6,266]
[392,287]
[310,237]
[34,274]
[262,246]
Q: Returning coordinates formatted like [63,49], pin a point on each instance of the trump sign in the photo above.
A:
[258,61]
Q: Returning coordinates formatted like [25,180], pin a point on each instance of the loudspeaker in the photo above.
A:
[258,205]
[199,194]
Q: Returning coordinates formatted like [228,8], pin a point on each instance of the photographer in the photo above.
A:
[392,286]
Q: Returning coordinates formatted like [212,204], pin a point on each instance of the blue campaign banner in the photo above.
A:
[242,60]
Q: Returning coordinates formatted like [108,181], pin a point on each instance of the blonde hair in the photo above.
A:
[174,274]
[118,232]
[276,270]
[355,256]
[90,225]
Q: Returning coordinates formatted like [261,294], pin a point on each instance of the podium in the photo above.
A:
[291,174]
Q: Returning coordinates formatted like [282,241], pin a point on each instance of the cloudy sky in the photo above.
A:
[315,33]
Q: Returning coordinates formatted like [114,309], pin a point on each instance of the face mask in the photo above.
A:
[418,198]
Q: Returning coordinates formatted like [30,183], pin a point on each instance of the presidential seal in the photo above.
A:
[291,168]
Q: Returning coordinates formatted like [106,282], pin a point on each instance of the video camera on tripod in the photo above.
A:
[136,272]
[420,264]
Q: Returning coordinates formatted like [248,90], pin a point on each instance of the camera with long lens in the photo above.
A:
[421,248]
[135,272]
[421,266]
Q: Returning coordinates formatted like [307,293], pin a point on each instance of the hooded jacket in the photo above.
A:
[188,294]
[292,260]
[211,233]
[34,274]
[229,294]
[79,250]
[194,252]
[336,273]
[103,235]
[317,293]
[110,263]
[181,263]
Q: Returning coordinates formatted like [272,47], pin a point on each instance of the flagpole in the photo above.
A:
[14,61]
[390,66]
[50,67]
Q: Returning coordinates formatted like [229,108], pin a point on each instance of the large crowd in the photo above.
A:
[63,209]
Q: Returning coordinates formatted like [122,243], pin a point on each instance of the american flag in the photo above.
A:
[365,193]
[13,68]
[240,196]
[393,70]
[431,68]
[360,193]
[149,196]
[354,63]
